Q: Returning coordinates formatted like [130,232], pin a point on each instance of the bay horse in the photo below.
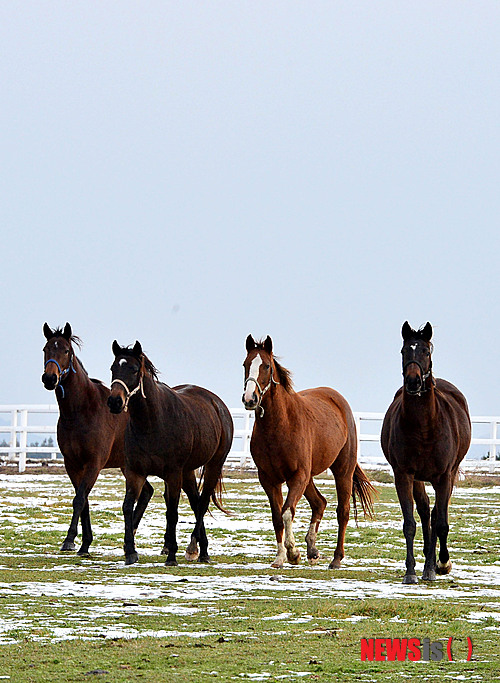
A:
[170,434]
[89,437]
[425,435]
[296,436]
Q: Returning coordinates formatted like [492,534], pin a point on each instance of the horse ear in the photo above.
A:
[407,331]
[137,350]
[426,333]
[47,332]
[268,344]
[116,348]
[67,331]
[250,343]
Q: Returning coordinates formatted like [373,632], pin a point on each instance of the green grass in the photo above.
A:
[66,618]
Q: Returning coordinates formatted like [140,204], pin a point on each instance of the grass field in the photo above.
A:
[66,618]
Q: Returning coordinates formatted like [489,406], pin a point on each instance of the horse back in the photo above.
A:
[318,425]
[192,425]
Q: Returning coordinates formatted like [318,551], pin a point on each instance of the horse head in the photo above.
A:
[417,362]
[127,373]
[58,356]
[259,369]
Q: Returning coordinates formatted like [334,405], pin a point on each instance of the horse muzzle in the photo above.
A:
[413,385]
[50,380]
[115,404]
[251,403]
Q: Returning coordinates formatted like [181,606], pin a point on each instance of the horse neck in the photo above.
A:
[277,404]
[420,409]
[146,411]
[78,390]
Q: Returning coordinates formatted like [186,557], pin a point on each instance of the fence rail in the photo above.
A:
[19,426]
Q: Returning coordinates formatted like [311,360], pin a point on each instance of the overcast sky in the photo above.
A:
[187,173]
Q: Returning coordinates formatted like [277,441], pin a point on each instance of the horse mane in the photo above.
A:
[150,368]
[284,375]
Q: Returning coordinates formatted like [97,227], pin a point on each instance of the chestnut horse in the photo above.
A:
[425,435]
[295,437]
[171,433]
[89,437]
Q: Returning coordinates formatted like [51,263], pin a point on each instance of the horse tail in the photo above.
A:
[218,492]
[364,489]
[217,496]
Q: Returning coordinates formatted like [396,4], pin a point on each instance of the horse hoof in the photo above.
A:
[83,552]
[429,576]
[67,546]
[313,556]
[293,557]
[192,557]
[171,563]
[443,568]
[164,550]
[277,564]
[334,564]
[410,579]
[204,559]
[132,558]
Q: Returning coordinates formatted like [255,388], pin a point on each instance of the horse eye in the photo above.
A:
[267,366]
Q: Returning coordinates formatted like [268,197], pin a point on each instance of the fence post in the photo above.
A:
[13,435]
[493,447]
[357,419]
[23,440]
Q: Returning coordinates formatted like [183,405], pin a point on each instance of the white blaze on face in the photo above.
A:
[122,361]
[413,346]
[252,374]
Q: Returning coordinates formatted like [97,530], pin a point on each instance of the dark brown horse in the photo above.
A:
[90,438]
[425,435]
[171,433]
[295,437]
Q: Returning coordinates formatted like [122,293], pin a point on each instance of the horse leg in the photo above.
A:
[172,495]
[296,487]
[142,503]
[441,526]
[423,509]
[190,486]
[83,485]
[318,505]
[134,485]
[275,496]
[87,535]
[211,477]
[404,488]
[343,484]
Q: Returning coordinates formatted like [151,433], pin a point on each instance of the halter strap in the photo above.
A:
[62,373]
[129,393]
[261,391]
[425,376]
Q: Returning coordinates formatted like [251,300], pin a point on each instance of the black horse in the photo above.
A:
[171,432]
[425,435]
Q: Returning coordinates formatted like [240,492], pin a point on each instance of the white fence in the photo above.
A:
[22,427]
